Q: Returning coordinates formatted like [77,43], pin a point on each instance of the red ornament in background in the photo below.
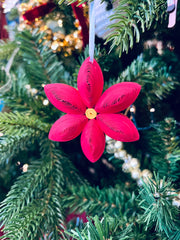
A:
[1,233]
[3,23]
[79,15]
[90,113]
[38,11]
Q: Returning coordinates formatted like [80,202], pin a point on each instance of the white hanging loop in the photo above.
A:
[92,6]
[172,16]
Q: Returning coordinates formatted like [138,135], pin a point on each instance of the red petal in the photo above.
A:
[65,98]
[92,141]
[118,97]
[90,82]
[67,127]
[118,127]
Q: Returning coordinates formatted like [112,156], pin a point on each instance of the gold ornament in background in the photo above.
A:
[30,5]
[56,40]
[23,8]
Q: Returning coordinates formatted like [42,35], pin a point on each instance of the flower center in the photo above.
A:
[90,113]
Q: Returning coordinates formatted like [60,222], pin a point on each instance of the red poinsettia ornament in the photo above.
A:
[90,113]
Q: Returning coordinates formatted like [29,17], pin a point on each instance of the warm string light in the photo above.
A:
[34,92]
[132,110]
[25,167]
[45,102]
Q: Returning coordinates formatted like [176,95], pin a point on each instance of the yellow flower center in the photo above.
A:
[90,113]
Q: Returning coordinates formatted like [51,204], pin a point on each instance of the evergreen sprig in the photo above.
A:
[131,19]
[174,164]
[11,146]
[69,170]
[40,64]
[156,201]
[19,131]
[36,205]
[101,229]
[97,201]
[6,49]
[10,122]
[72,174]
[163,146]
[146,74]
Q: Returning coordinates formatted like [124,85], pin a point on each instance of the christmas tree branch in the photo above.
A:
[10,147]
[69,170]
[6,49]
[133,18]
[19,131]
[163,145]
[156,201]
[10,122]
[36,199]
[40,64]
[146,74]
[103,228]
[96,201]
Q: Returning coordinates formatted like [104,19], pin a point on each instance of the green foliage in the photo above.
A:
[72,174]
[19,131]
[146,74]
[163,145]
[39,63]
[131,19]
[174,164]
[70,2]
[10,147]
[96,201]
[156,197]
[6,49]
[12,122]
[106,228]
[34,208]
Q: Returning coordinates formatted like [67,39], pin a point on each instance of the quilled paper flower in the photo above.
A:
[91,114]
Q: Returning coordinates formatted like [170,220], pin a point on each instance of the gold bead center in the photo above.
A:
[90,113]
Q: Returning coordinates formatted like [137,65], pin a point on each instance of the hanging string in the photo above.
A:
[92,6]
